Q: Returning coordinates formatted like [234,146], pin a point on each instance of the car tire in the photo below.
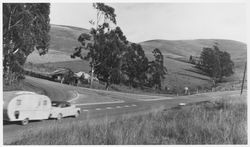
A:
[59,116]
[25,121]
[77,114]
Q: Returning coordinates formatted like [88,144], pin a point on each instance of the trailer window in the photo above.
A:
[18,102]
[44,102]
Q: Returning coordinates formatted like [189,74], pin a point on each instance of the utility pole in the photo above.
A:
[243,78]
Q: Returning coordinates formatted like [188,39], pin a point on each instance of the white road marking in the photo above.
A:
[133,105]
[98,109]
[76,97]
[157,99]
[126,106]
[99,103]
[85,110]
[109,108]
[118,106]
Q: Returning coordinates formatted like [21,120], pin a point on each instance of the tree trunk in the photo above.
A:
[107,85]
[91,77]
[62,80]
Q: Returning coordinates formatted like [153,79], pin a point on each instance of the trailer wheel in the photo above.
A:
[59,116]
[25,121]
[77,114]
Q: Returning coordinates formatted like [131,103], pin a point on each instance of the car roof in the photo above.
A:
[60,102]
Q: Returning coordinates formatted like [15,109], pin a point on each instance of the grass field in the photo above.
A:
[223,121]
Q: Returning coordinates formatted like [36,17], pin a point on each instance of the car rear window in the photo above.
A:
[55,104]
[60,104]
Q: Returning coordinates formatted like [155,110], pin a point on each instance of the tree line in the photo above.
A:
[113,59]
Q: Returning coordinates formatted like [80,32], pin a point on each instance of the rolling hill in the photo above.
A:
[186,48]
[64,38]
[176,52]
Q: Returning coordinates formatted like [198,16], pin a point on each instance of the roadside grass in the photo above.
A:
[222,121]
[12,87]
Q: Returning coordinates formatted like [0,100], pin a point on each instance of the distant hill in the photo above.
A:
[185,48]
[176,53]
[64,38]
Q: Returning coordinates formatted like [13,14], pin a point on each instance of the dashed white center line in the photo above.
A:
[116,107]
[85,110]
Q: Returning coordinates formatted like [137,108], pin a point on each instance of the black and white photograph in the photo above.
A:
[124,73]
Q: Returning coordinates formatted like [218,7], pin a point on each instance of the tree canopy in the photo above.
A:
[157,69]
[216,63]
[25,28]
[135,65]
[113,58]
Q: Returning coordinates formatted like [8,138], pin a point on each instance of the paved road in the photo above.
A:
[118,105]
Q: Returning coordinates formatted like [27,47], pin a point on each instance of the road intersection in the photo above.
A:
[116,104]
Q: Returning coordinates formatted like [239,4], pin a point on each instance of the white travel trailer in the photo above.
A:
[24,106]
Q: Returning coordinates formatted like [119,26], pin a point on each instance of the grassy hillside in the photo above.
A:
[64,38]
[185,48]
[180,74]
[182,49]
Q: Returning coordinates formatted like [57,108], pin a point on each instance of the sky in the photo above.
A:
[168,21]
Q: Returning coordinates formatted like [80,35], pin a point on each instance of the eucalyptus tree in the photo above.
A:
[26,27]
[157,70]
[136,65]
[105,45]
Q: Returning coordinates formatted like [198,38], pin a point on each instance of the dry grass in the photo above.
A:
[219,122]
[12,87]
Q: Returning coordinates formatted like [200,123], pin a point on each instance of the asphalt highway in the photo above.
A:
[120,104]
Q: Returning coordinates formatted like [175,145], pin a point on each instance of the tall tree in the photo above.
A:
[227,64]
[135,65]
[105,16]
[157,69]
[216,63]
[110,48]
[106,45]
[25,28]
